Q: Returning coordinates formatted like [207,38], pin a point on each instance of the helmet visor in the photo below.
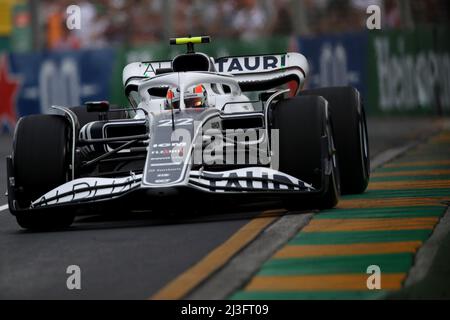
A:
[196,102]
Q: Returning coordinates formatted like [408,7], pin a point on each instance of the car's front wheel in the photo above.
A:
[41,159]
[305,128]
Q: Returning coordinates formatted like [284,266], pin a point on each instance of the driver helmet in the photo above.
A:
[195,97]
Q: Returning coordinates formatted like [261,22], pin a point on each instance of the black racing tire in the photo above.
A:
[333,193]
[350,133]
[302,124]
[41,158]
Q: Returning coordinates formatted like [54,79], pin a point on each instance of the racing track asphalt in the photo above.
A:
[124,256]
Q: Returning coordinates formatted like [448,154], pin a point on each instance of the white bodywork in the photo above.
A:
[235,73]
[105,186]
[183,81]
[230,71]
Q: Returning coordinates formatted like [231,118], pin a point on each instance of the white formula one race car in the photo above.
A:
[199,132]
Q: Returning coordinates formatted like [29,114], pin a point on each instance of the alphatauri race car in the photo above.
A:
[199,132]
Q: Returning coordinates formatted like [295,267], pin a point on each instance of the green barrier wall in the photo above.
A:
[409,71]
[4,44]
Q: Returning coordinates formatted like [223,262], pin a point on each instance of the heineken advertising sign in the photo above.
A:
[409,71]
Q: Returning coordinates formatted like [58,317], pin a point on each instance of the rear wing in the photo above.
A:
[259,72]
[265,71]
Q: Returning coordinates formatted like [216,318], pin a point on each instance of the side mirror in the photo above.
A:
[97,106]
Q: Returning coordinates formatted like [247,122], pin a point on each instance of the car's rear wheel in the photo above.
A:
[350,132]
[41,157]
[303,124]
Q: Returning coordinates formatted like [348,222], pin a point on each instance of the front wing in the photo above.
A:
[256,182]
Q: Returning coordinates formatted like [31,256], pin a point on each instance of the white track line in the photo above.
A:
[3,208]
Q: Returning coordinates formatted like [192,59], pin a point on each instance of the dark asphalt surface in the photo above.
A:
[125,256]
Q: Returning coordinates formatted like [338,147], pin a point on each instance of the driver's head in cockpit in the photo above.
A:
[195,97]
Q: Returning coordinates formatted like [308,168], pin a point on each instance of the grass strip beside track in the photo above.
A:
[335,282]
[328,259]
[339,264]
[422,172]
[320,238]
[304,251]
[410,178]
[308,295]
[399,212]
